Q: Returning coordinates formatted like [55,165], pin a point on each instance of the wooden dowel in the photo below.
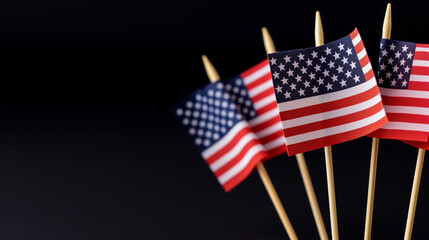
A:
[270,48]
[414,194]
[387,29]
[318,34]
[213,76]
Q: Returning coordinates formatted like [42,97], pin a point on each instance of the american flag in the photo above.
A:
[253,93]
[403,78]
[327,94]
[220,133]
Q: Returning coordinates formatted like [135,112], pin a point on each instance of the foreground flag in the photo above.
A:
[223,137]
[327,94]
[252,91]
[403,78]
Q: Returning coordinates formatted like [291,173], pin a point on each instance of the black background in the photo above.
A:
[89,150]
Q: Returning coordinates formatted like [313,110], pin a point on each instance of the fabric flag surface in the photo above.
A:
[327,94]
[224,138]
[252,92]
[403,79]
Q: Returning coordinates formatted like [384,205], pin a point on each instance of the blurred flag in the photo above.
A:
[327,94]
[403,78]
[223,137]
[252,91]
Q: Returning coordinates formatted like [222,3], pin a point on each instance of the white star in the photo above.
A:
[315,89]
[326,73]
[328,51]
[352,65]
[292,86]
[331,64]
[273,61]
[284,80]
[314,54]
[404,48]
[301,56]
[395,68]
[279,89]
[317,68]
[356,78]
[301,92]
[392,46]
[381,45]
[382,67]
[287,94]
[397,54]
[322,59]
[287,58]
[409,55]
[348,74]
[336,55]
[404,83]
[290,72]
[295,64]
[380,81]
[344,60]
[298,78]
[276,75]
[320,81]
[309,62]
[343,83]
[341,46]
[334,78]
[393,83]
[390,60]
[400,75]
[312,76]
[388,75]
[349,51]
[328,86]
[303,70]
[307,84]
[339,69]
[384,53]
[402,62]
[281,66]
[407,69]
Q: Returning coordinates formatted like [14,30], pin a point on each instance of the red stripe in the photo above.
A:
[261,95]
[265,78]
[400,134]
[354,33]
[364,61]
[413,85]
[422,45]
[423,145]
[420,70]
[271,137]
[369,75]
[231,144]
[334,139]
[255,68]
[288,132]
[266,108]
[277,151]
[408,118]
[405,101]
[359,46]
[329,106]
[421,56]
[266,124]
[227,186]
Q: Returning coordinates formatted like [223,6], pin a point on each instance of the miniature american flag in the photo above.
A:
[223,137]
[403,78]
[253,93]
[327,94]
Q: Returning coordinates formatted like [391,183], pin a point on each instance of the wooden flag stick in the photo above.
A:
[328,150]
[387,28]
[213,77]
[270,48]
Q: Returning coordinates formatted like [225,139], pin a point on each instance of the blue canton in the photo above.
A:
[240,97]
[315,71]
[396,58]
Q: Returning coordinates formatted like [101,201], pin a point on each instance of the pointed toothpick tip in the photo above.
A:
[387,23]
[212,74]
[318,30]
[268,41]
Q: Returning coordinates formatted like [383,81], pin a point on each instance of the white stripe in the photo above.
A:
[275,143]
[264,102]
[366,68]
[269,130]
[220,162]
[328,97]
[422,49]
[264,117]
[361,54]
[335,130]
[225,140]
[420,63]
[256,75]
[404,93]
[260,88]
[232,172]
[419,78]
[356,40]
[331,114]
[407,110]
[407,126]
